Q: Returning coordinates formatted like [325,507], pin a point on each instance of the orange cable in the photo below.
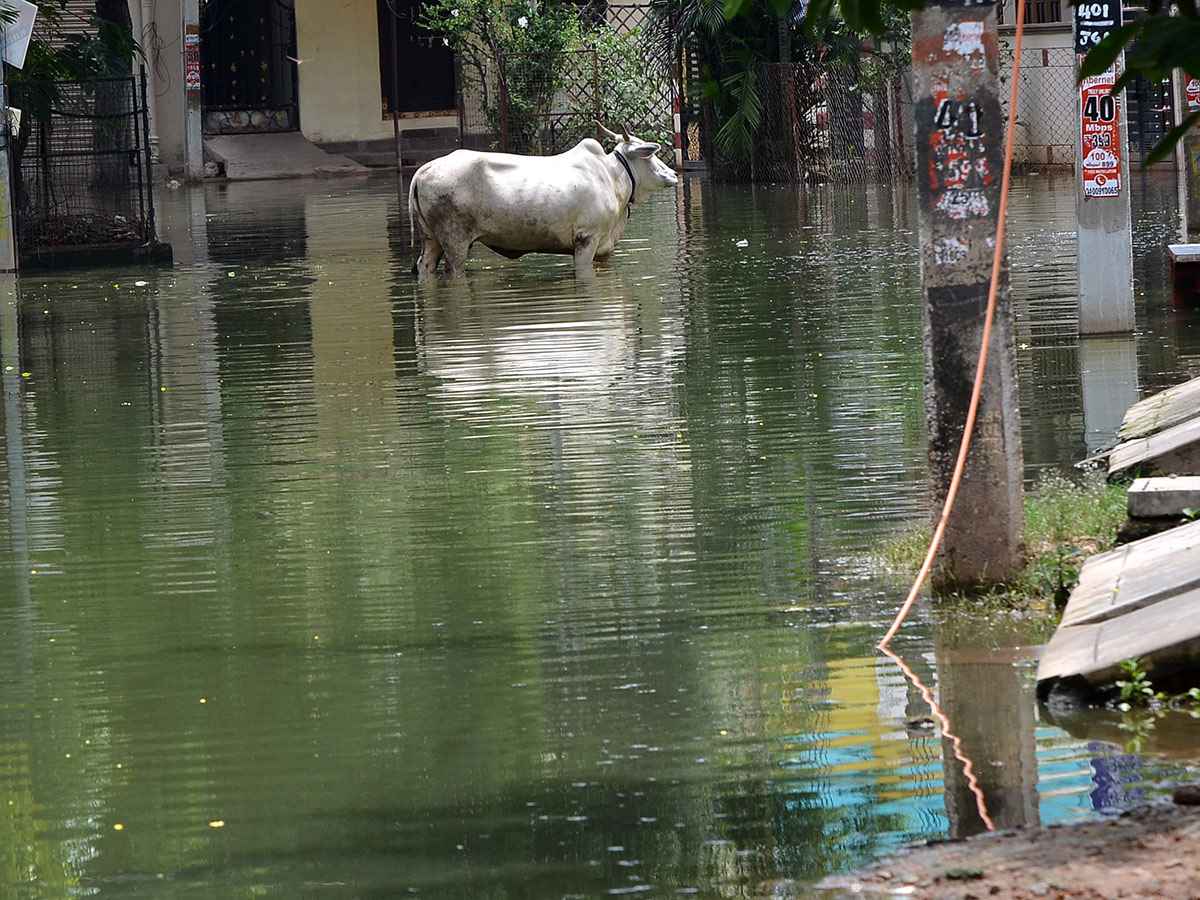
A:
[973,408]
[955,741]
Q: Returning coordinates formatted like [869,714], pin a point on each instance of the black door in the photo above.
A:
[248,66]
[416,70]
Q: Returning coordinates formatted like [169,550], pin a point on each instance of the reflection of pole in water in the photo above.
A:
[955,741]
[14,441]
[993,705]
[1108,367]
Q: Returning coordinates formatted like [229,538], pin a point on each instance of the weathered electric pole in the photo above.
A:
[1104,231]
[14,42]
[193,129]
[8,238]
[960,136]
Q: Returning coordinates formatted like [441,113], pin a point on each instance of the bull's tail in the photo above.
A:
[412,217]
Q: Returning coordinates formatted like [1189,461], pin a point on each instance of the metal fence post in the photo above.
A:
[596,82]
[502,91]
[151,227]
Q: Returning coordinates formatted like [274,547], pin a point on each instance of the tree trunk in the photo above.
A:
[116,22]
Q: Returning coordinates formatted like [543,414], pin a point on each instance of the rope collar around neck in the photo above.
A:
[629,172]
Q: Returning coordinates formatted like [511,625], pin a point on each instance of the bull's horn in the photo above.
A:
[624,134]
[610,133]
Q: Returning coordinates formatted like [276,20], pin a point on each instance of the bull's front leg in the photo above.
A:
[585,254]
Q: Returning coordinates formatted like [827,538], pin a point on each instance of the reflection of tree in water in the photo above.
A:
[264,222]
[258,236]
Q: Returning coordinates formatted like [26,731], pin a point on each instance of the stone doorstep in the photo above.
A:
[1164,496]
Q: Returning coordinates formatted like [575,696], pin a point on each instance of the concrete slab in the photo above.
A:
[1185,275]
[1175,451]
[1138,600]
[1135,575]
[1161,411]
[1166,635]
[1150,498]
[1184,253]
[253,156]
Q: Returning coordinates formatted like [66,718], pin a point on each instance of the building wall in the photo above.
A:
[340,98]
[161,35]
[1046,102]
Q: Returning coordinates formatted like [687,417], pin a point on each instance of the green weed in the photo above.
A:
[1066,520]
[1135,689]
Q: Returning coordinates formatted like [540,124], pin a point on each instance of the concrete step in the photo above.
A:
[286,155]
[1136,601]
[1153,497]
[417,146]
[1161,411]
[1173,451]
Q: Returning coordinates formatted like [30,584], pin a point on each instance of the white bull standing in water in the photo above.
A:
[576,202]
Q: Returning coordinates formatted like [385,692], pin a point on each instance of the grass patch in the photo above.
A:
[1066,521]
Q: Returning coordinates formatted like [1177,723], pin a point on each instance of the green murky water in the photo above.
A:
[317,584]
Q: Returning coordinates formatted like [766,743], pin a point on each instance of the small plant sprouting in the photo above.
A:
[1142,706]
[1136,688]
[1190,514]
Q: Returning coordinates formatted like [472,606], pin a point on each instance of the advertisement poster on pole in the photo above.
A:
[1100,120]
[1191,91]
[1094,22]
[191,60]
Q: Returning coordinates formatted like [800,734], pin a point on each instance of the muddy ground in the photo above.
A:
[1150,853]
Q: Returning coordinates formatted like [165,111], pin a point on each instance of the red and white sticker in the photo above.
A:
[1101,122]
[191,58]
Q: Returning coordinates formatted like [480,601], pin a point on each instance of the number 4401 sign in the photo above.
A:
[1100,120]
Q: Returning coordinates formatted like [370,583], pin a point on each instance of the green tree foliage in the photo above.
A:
[528,40]
[537,51]
[56,52]
[1165,40]
[1168,38]
[734,39]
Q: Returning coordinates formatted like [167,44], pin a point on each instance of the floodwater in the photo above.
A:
[314,583]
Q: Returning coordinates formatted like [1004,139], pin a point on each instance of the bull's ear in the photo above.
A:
[644,151]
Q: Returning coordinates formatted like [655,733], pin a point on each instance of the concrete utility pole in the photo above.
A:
[960,134]
[193,134]
[14,42]
[1104,230]
[8,241]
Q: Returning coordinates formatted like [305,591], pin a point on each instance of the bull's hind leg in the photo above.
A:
[431,255]
[585,254]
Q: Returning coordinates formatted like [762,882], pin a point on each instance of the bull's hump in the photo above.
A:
[591,145]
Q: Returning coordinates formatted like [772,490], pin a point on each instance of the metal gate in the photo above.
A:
[81,165]
[1150,114]
[248,66]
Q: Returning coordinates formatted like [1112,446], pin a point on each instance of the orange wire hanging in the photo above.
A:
[993,287]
